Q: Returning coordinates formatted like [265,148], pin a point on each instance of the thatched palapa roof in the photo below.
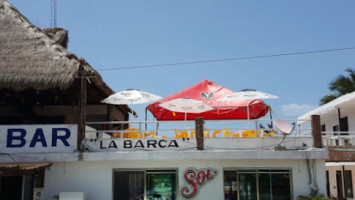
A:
[35,58]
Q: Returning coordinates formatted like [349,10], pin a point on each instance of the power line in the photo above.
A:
[226,60]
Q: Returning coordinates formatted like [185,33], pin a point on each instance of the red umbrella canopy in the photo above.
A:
[209,92]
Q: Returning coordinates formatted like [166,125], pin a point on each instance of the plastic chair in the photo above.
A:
[250,133]
[226,133]
[271,134]
[206,134]
[132,133]
[147,134]
[234,135]
[116,134]
[180,133]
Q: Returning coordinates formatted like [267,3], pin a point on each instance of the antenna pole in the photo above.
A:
[53,13]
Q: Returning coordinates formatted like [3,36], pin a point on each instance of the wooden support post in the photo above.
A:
[199,132]
[316,131]
[110,115]
[82,107]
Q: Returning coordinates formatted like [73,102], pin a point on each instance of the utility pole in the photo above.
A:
[53,22]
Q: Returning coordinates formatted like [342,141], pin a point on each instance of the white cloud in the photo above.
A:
[295,110]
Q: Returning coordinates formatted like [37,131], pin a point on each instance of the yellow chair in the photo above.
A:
[147,134]
[132,133]
[234,135]
[116,134]
[271,134]
[180,133]
[250,133]
[206,134]
[215,132]
[226,133]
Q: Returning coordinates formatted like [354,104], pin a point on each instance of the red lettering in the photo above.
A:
[200,177]
[208,175]
[189,191]
[195,179]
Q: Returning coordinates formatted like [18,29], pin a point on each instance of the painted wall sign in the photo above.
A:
[127,144]
[38,138]
[196,178]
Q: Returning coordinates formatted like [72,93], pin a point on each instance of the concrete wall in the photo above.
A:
[95,177]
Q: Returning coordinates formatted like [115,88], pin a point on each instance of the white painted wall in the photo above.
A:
[95,177]
[346,110]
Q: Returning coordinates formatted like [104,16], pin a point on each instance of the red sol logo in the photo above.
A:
[196,178]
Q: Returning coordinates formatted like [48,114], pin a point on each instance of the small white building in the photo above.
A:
[337,120]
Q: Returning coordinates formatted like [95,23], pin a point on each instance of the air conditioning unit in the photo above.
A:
[72,196]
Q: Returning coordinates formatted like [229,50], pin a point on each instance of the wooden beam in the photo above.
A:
[82,107]
[316,131]
[199,132]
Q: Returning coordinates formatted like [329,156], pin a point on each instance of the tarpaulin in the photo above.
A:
[209,92]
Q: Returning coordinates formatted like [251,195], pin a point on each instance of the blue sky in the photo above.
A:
[113,34]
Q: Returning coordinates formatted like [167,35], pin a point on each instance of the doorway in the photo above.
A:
[11,188]
[339,185]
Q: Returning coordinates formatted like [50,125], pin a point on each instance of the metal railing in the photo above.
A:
[173,129]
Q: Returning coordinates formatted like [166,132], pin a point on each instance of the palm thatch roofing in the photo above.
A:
[35,58]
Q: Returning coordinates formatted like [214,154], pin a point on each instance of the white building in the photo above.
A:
[227,168]
[338,135]
[48,94]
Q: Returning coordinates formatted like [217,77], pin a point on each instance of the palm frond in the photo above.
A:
[328,98]
[343,84]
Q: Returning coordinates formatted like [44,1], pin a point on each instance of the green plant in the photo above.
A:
[315,197]
[320,197]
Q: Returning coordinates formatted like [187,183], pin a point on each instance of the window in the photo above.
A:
[348,184]
[344,127]
[323,129]
[339,185]
[145,184]
[230,185]
[257,184]
[335,129]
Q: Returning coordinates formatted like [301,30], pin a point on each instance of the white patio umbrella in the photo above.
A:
[130,96]
[186,105]
[248,94]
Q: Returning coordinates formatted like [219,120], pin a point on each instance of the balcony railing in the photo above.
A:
[217,135]
[338,138]
[186,129]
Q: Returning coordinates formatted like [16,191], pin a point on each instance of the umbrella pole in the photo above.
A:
[248,115]
[145,127]
[271,117]
[156,132]
[132,114]
[185,120]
